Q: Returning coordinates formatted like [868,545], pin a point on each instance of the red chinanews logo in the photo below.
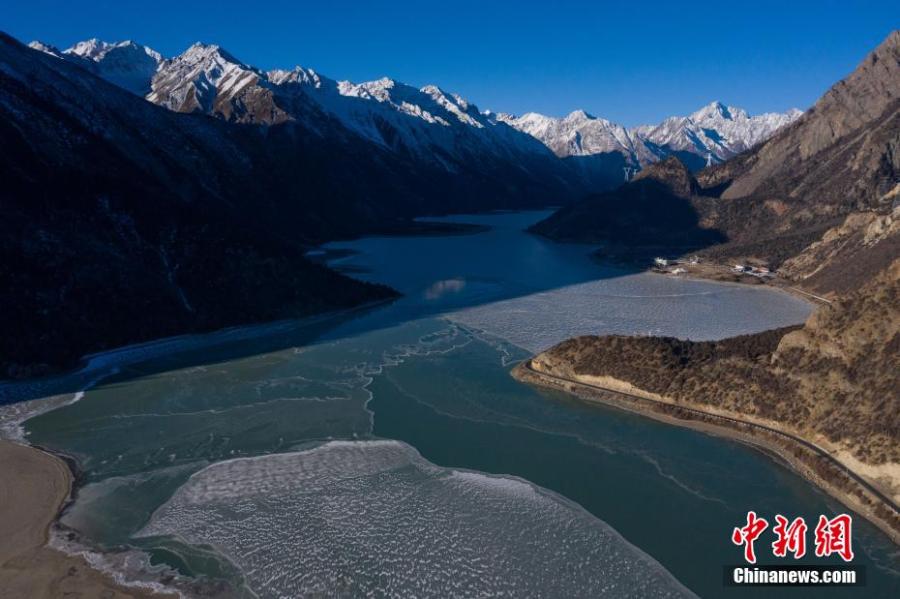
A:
[832,536]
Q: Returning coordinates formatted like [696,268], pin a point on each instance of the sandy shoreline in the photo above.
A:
[800,459]
[35,485]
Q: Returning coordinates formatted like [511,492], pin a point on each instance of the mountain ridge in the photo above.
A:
[715,131]
[597,147]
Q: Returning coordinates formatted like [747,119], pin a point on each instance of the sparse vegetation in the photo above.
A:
[838,376]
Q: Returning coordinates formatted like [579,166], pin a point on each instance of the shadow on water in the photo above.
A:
[484,261]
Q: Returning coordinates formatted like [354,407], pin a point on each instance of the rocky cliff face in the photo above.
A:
[849,255]
[840,157]
[865,99]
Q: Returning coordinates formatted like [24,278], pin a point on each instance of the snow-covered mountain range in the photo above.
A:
[715,132]
[428,123]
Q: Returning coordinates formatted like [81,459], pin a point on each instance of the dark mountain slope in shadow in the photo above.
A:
[601,171]
[124,222]
[658,209]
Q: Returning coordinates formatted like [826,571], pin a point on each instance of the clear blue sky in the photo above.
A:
[632,64]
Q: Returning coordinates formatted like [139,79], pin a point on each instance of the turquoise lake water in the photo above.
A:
[388,452]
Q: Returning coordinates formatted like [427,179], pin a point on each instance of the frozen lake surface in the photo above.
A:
[369,517]
[389,452]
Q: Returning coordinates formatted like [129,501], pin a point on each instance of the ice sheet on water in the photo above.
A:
[374,518]
[640,304]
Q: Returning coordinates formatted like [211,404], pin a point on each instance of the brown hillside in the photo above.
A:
[837,377]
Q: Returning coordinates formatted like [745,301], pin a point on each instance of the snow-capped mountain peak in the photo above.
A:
[200,77]
[207,54]
[533,123]
[579,116]
[718,111]
[91,48]
[430,103]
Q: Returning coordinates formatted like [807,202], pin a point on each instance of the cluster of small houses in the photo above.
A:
[663,264]
[756,271]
